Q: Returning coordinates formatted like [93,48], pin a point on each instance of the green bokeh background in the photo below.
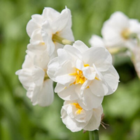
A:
[19,120]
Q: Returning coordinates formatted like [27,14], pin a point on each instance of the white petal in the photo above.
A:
[47,37]
[30,91]
[88,100]
[36,36]
[111,77]
[25,77]
[61,20]
[80,46]
[72,124]
[38,76]
[52,68]
[98,56]
[98,88]
[50,14]
[28,62]
[79,64]
[73,51]
[41,60]
[67,33]
[95,120]
[89,73]
[64,73]
[59,88]
[96,41]
[113,38]
[63,56]
[34,24]
[68,93]
[118,21]
[84,116]
[36,48]
[64,79]
[35,94]
[46,94]
[134,26]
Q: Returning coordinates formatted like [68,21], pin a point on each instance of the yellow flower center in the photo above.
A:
[78,107]
[125,34]
[80,79]
[56,38]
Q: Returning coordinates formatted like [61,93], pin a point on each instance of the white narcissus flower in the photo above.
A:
[34,79]
[83,74]
[120,31]
[76,118]
[44,29]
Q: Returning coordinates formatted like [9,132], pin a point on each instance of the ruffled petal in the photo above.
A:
[111,77]
[46,94]
[99,57]
[68,93]
[34,24]
[98,88]
[95,120]
[88,100]
[80,46]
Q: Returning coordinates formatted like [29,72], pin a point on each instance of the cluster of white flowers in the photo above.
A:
[42,30]
[120,34]
[83,75]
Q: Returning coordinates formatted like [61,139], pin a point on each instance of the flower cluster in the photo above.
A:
[42,30]
[83,75]
[120,34]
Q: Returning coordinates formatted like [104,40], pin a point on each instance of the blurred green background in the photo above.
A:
[19,120]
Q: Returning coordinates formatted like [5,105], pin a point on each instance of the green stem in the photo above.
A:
[93,135]
[61,40]
[90,135]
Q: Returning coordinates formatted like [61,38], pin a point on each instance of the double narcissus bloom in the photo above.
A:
[121,34]
[34,79]
[45,29]
[120,31]
[83,74]
[76,118]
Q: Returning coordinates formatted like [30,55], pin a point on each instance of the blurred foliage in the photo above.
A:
[19,120]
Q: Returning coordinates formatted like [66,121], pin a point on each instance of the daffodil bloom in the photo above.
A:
[83,74]
[35,80]
[120,31]
[49,28]
[76,118]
